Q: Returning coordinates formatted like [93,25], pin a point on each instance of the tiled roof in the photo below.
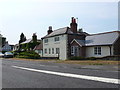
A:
[59,32]
[39,47]
[27,41]
[80,42]
[102,38]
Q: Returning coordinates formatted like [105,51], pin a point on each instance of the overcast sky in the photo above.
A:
[35,17]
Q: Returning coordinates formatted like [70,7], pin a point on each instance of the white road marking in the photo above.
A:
[101,79]
[42,65]
[48,65]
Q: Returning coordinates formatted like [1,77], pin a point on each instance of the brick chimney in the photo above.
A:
[73,25]
[50,30]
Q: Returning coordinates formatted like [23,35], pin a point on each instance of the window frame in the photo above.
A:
[72,50]
[57,50]
[97,50]
[52,50]
[49,50]
[45,50]
[45,40]
[56,39]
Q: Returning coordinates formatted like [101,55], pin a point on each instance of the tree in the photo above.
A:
[34,38]
[22,38]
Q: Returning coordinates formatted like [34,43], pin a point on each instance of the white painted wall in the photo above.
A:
[62,44]
[105,51]
[7,47]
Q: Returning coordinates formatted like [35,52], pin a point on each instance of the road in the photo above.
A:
[36,74]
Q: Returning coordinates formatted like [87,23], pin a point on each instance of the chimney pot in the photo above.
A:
[50,30]
[50,27]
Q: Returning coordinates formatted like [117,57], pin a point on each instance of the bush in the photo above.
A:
[77,58]
[91,58]
[82,58]
[28,55]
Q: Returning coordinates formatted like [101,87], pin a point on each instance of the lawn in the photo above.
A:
[82,62]
[91,62]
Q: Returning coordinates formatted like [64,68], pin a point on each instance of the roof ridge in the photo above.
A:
[104,33]
[60,28]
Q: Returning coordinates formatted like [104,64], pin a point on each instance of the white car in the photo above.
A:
[8,55]
[1,55]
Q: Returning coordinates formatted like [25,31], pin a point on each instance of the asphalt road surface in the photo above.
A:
[36,74]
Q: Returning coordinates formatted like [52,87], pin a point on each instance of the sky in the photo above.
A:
[35,16]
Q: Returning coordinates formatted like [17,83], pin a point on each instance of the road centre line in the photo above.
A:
[101,79]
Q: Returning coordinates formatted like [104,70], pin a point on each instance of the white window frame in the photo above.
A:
[45,40]
[56,39]
[57,50]
[72,50]
[52,50]
[97,50]
[49,50]
[45,50]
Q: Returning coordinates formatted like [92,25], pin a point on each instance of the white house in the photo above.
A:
[6,47]
[55,43]
[68,41]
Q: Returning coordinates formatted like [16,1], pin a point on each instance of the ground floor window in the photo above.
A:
[45,51]
[57,50]
[75,50]
[52,50]
[72,50]
[97,50]
[49,50]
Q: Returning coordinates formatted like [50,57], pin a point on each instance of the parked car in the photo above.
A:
[1,55]
[8,55]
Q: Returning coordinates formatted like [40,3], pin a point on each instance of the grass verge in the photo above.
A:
[85,62]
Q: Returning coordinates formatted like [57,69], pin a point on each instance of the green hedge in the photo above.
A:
[82,58]
[28,55]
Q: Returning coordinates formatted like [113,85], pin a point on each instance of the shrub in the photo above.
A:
[28,55]
[82,58]
[91,58]
[77,58]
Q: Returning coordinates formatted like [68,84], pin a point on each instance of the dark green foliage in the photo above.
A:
[28,55]
[82,58]
[91,58]
[77,58]
[34,38]
[22,38]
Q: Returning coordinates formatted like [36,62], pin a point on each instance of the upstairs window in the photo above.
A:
[56,39]
[97,50]
[46,41]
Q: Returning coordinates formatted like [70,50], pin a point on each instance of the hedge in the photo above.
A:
[28,55]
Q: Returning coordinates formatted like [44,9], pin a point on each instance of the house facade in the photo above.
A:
[55,44]
[69,41]
[7,47]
